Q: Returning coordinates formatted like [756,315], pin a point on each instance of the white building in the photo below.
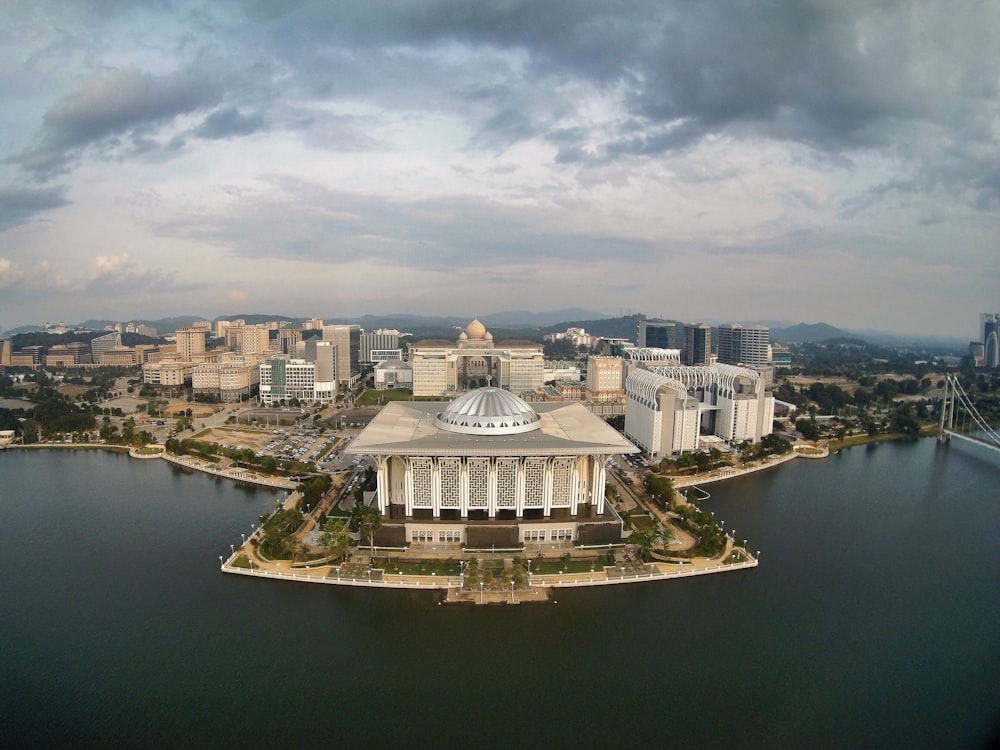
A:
[732,403]
[660,416]
[283,378]
[385,355]
[490,469]
[393,374]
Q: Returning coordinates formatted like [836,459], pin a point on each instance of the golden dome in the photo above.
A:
[475,330]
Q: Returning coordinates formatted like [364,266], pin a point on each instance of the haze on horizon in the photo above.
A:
[713,160]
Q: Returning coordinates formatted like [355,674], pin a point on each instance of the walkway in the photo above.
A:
[729,472]
[539,586]
[235,473]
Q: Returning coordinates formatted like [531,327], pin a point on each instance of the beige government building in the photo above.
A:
[443,368]
[490,469]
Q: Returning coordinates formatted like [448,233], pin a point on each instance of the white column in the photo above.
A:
[435,488]
[491,492]
[574,488]
[598,488]
[408,486]
[519,495]
[382,485]
[463,488]
[547,488]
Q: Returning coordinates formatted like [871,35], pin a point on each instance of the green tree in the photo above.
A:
[646,539]
[369,520]
[659,488]
[336,536]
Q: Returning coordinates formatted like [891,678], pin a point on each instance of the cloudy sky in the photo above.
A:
[807,161]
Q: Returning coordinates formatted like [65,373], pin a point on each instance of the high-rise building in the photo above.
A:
[743,345]
[383,338]
[990,336]
[190,342]
[106,343]
[697,344]
[287,340]
[347,339]
[661,334]
[248,339]
[6,352]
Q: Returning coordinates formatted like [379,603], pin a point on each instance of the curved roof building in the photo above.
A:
[488,411]
[490,469]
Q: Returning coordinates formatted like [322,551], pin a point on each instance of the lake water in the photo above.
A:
[872,621]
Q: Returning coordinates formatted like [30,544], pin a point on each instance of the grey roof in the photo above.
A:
[408,428]
[488,411]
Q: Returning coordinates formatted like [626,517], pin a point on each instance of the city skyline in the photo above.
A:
[710,161]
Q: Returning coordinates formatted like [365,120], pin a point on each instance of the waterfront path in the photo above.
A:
[235,473]
[539,586]
[729,472]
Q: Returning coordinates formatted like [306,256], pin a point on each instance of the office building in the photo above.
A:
[381,339]
[728,402]
[347,340]
[697,349]
[191,342]
[990,337]
[661,334]
[283,378]
[744,345]
[104,343]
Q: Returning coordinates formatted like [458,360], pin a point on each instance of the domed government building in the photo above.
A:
[489,469]
[443,369]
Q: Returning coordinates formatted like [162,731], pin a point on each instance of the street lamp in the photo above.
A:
[512,591]
[251,563]
[480,592]
[232,549]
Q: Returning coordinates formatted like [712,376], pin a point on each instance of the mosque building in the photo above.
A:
[489,469]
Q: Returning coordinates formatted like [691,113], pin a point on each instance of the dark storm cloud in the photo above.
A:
[119,102]
[229,122]
[19,205]
[836,77]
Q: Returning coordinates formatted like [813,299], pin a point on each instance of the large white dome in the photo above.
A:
[488,411]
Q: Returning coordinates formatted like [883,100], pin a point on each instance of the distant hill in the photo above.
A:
[525,319]
[625,327]
[936,344]
[23,329]
[253,319]
[808,333]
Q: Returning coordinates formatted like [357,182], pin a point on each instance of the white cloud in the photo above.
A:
[668,159]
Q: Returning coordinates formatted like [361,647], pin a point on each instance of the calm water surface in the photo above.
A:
[872,621]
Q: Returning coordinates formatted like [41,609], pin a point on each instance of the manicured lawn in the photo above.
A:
[371,398]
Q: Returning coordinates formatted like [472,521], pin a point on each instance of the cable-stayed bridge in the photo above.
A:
[961,419]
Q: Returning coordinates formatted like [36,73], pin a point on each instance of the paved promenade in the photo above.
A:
[234,472]
[718,475]
[538,587]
